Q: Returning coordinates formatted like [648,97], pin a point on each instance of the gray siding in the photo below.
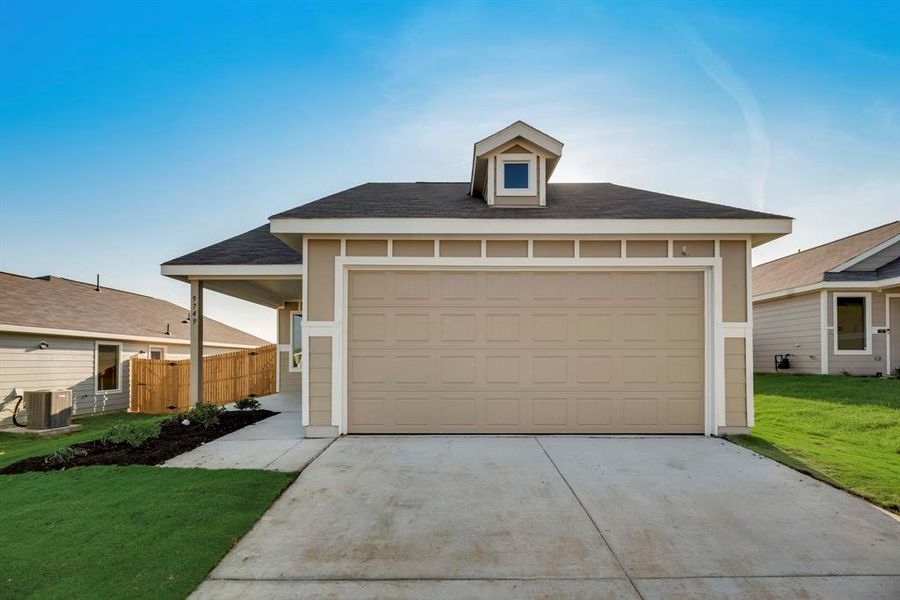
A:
[780,325]
[68,363]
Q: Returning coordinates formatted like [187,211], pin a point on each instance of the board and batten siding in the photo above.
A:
[68,364]
[788,326]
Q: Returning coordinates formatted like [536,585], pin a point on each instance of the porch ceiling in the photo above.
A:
[272,293]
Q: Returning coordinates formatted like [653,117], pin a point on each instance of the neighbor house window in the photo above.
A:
[108,372]
[296,341]
[517,175]
[851,324]
[157,352]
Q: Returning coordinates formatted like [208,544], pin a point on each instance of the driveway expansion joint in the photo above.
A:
[591,518]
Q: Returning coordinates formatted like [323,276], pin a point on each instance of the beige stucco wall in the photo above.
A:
[553,248]
[507,248]
[647,248]
[460,248]
[367,247]
[735,382]
[68,364]
[788,326]
[694,248]
[601,249]
[413,248]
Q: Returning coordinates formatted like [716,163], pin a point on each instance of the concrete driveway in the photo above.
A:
[553,517]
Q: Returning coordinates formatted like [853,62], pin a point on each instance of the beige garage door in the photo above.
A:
[525,352]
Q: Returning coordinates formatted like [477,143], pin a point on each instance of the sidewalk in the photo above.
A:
[274,444]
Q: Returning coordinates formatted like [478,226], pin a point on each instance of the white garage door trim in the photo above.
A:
[714,388]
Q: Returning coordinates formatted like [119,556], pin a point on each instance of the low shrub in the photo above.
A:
[64,454]
[206,415]
[247,404]
[133,433]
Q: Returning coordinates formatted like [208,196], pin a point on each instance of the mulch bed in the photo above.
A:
[174,439]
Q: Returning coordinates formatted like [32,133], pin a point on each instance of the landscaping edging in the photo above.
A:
[174,439]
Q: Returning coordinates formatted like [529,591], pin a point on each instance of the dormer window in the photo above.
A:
[517,175]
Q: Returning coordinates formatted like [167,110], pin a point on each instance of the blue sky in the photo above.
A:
[131,133]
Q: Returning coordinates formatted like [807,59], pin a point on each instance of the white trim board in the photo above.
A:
[830,285]
[714,394]
[620,227]
[231,271]
[114,336]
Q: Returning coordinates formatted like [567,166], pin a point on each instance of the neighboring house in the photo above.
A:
[505,304]
[57,333]
[831,307]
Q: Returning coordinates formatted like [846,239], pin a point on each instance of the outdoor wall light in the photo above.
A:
[43,345]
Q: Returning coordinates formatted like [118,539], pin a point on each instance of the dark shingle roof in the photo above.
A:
[564,201]
[57,303]
[254,247]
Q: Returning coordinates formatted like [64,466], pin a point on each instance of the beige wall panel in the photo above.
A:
[319,369]
[694,248]
[554,248]
[320,272]
[288,381]
[413,247]
[734,280]
[647,248]
[367,247]
[787,326]
[735,382]
[523,201]
[507,248]
[284,321]
[519,351]
[460,248]
[600,249]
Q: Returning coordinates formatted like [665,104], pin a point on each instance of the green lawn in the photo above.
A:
[16,446]
[124,532]
[843,430]
[119,532]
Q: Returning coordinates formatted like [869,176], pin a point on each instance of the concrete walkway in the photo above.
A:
[559,517]
[275,444]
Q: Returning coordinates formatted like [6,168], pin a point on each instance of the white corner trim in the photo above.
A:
[304,335]
[870,252]
[867,326]
[823,333]
[536,226]
[115,336]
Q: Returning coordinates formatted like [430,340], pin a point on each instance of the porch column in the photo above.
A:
[196,375]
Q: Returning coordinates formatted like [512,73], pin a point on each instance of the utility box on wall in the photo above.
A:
[48,410]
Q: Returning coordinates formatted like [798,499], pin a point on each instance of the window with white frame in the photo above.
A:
[517,175]
[852,317]
[157,352]
[108,367]
[296,341]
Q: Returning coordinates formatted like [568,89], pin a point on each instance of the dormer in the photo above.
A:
[511,167]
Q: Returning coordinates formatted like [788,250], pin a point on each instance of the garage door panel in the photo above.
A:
[479,358]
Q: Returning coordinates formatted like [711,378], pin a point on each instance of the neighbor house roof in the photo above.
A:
[63,304]
[254,247]
[810,266]
[564,201]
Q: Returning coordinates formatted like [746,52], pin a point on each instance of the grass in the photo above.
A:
[16,446]
[842,430]
[124,532]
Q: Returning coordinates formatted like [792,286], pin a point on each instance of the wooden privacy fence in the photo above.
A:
[161,386]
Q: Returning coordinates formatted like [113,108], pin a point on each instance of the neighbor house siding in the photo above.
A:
[68,364]
[787,326]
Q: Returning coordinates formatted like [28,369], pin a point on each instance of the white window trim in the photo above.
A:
[531,160]
[151,348]
[867,326]
[118,390]
[291,367]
